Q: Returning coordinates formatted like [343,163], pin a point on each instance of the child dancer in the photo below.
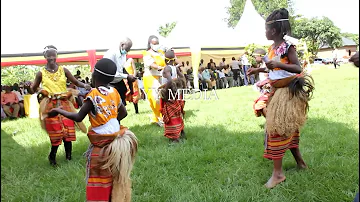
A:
[54,94]
[172,106]
[263,85]
[171,67]
[288,102]
[113,147]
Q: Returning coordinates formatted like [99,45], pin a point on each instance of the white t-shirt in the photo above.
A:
[220,73]
[244,60]
[119,59]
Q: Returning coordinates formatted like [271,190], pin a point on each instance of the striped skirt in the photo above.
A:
[59,127]
[276,145]
[173,112]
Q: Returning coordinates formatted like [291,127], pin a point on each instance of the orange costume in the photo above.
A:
[105,132]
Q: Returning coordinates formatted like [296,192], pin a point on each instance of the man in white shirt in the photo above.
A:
[118,56]
[222,78]
[246,66]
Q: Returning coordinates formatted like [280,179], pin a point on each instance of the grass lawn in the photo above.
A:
[221,160]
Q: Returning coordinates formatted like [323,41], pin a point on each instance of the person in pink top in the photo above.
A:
[9,100]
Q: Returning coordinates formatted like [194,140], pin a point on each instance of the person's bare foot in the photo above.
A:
[302,165]
[274,180]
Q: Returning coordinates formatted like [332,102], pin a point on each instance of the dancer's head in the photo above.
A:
[277,24]
[104,72]
[50,54]
[170,57]
[167,72]
[153,43]
[125,45]
[259,53]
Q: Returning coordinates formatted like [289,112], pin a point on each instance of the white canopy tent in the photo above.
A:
[251,27]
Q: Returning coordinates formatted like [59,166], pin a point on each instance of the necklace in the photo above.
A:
[52,75]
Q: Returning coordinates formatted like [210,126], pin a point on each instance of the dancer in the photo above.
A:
[133,93]
[288,102]
[54,94]
[172,104]
[171,67]
[263,85]
[154,63]
[111,153]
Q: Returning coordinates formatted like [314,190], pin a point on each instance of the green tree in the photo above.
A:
[317,32]
[17,74]
[264,8]
[354,37]
[164,31]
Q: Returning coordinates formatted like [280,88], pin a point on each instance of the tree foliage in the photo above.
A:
[22,73]
[250,49]
[164,31]
[317,32]
[354,37]
[264,8]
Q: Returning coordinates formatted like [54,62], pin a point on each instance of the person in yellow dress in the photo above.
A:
[154,63]
[55,94]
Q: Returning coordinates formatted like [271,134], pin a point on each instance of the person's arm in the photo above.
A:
[2,99]
[77,117]
[179,73]
[178,63]
[73,80]
[16,99]
[255,71]
[150,62]
[294,67]
[134,67]
[36,84]
[122,113]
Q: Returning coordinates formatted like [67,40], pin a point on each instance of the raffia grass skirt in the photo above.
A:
[285,114]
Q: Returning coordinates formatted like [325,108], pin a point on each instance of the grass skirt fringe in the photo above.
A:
[285,115]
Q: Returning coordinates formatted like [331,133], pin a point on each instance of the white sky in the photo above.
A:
[30,25]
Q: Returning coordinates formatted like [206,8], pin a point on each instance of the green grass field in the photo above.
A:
[221,159]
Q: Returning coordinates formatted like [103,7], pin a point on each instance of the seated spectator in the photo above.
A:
[20,96]
[221,78]
[202,83]
[229,75]
[10,100]
[206,77]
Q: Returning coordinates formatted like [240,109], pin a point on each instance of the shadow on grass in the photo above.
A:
[215,163]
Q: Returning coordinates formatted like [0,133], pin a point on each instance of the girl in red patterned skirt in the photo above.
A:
[172,103]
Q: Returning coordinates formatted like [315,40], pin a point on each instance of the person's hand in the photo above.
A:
[52,113]
[87,87]
[271,64]
[131,78]
[251,71]
[355,59]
